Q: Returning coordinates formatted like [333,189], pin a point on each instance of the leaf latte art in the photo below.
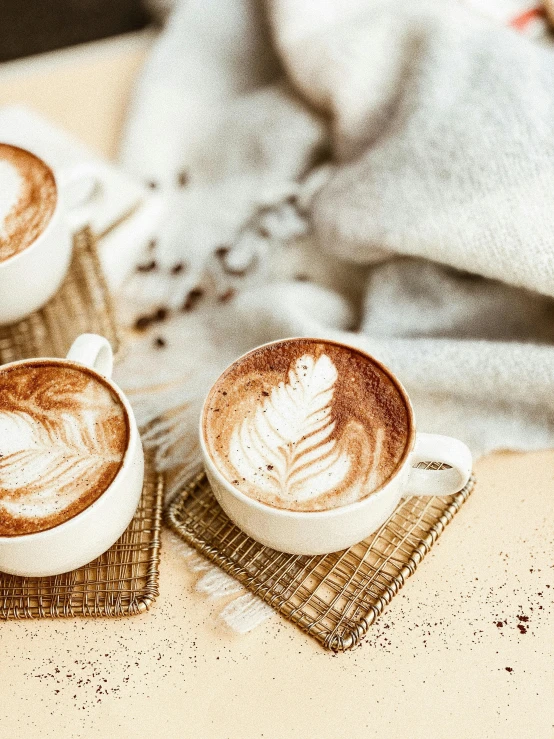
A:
[300,438]
[289,435]
[62,440]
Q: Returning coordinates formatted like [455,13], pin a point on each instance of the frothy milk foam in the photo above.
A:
[63,435]
[28,198]
[306,425]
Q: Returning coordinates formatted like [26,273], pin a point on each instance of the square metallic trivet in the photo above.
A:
[335,597]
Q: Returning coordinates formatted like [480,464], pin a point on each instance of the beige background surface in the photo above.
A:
[433,666]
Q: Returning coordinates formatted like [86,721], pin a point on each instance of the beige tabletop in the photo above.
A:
[465,650]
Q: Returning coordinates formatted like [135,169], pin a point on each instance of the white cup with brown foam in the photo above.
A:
[36,203]
[310,444]
[71,460]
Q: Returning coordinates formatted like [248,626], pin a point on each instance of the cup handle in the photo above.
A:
[80,183]
[444,450]
[93,351]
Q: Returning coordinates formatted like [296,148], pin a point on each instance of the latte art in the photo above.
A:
[63,435]
[28,199]
[288,437]
[306,426]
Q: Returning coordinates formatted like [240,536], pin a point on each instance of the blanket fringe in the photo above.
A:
[217,584]
[246,613]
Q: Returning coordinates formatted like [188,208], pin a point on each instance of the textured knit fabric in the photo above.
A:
[447,152]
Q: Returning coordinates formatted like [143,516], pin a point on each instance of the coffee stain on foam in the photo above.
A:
[374,477]
[10,188]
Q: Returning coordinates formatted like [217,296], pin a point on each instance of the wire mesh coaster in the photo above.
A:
[124,580]
[335,597]
[82,304]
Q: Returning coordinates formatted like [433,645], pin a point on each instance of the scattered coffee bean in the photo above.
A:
[160,314]
[159,342]
[177,268]
[192,298]
[142,323]
[227,295]
[182,178]
[147,266]
[509,669]
[265,393]
[270,467]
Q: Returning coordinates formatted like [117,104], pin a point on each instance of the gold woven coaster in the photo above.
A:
[124,580]
[335,597]
[82,304]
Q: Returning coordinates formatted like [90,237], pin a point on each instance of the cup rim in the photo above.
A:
[127,456]
[330,512]
[54,216]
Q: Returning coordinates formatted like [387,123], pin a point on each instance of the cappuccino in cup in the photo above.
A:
[306,425]
[309,445]
[71,460]
[28,197]
[63,436]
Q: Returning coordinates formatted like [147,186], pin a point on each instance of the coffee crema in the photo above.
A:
[63,437]
[307,425]
[28,197]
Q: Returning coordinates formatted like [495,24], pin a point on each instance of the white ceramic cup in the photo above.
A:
[89,534]
[321,532]
[30,278]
